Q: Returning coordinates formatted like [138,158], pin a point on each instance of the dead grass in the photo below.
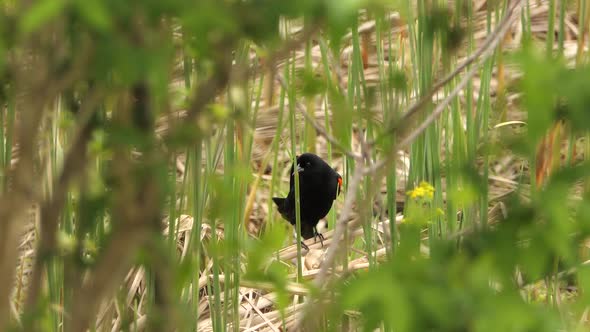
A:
[257,301]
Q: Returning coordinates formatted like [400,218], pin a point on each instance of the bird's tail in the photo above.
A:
[280,202]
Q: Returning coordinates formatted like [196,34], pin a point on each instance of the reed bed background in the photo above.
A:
[142,143]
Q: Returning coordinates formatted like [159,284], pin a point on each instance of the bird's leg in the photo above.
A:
[304,246]
[318,235]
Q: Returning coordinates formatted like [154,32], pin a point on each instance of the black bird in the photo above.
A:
[319,185]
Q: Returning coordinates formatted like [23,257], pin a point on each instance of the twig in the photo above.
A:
[422,127]
[290,45]
[261,314]
[485,51]
[339,228]
[206,91]
[341,224]
[489,44]
[291,287]
[361,170]
[319,129]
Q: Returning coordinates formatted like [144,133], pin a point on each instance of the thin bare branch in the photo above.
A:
[485,50]
[319,128]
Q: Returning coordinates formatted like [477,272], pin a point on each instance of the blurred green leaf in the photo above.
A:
[311,84]
[379,298]
[398,80]
[261,265]
[341,15]
[341,116]
[95,13]
[537,85]
[259,252]
[40,13]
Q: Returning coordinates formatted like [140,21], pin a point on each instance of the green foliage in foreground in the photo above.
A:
[85,90]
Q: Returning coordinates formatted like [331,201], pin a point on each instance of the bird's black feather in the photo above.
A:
[319,185]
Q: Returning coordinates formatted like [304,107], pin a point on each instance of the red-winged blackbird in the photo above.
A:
[319,185]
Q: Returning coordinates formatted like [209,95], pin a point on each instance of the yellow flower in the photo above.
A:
[427,187]
[423,190]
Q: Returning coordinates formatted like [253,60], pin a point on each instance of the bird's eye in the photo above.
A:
[308,163]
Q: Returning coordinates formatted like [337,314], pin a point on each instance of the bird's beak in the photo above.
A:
[299,168]
[339,185]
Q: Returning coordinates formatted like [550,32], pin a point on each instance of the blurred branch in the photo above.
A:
[112,267]
[137,202]
[33,78]
[290,45]
[14,205]
[207,90]
[74,164]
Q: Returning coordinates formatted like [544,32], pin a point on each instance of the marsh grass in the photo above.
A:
[218,213]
